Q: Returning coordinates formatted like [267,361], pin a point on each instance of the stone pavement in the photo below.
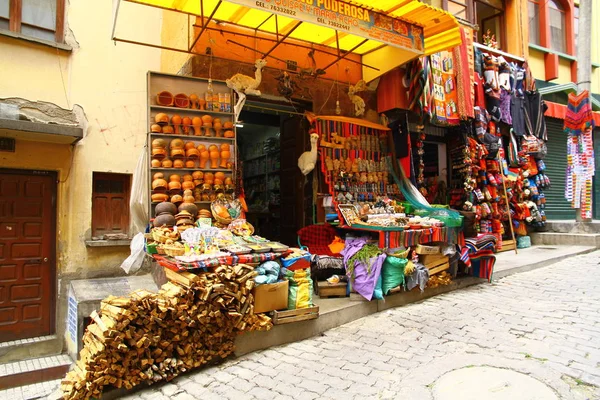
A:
[543,323]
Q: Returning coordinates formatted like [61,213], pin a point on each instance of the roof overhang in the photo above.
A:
[385,33]
[40,132]
[569,87]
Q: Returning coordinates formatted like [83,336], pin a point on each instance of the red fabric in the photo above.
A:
[405,161]
[479,94]
[317,238]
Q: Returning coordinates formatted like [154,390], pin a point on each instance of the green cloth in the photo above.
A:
[393,273]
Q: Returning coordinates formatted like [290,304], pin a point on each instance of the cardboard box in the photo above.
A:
[420,249]
[270,297]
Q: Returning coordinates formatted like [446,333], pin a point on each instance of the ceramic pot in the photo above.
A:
[197,124]
[176,144]
[227,125]
[177,153]
[166,163]
[159,153]
[194,101]
[164,220]
[168,129]
[186,122]
[220,175]
[209,177]
[155,128]
[197,175]
[175,186]
[188,185]
[158,184]
[188,178]
[214,159]
[190,164]
[229,134]
[176,199]
[159,197]
[161,119]
[189,207]
[204,156]
[207,129]
[202,104]
[155,163]
[207,119]
[176,121]
[228,181]
[166,207]
[189,145]
[174,178]
[159,144]
[178,163]
[192,154]
[218,129]
[224,158]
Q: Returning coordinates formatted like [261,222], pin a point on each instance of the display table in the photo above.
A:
[389,238]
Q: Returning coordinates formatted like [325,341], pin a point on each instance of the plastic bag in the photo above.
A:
[378,291]
[138,201]
[393,273]
[134,262]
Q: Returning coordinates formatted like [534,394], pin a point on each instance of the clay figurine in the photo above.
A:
[308,159]
[359,103]
[243,85]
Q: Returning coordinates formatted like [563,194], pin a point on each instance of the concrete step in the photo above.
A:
[32,371]
[29,392]
[23,349]
[574,239]
[572,226]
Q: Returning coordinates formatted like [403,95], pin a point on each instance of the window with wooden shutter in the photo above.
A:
[42,19]
[110,203]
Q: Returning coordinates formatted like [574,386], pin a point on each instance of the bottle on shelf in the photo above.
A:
[209,96]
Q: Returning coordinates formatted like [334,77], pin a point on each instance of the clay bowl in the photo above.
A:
[166,207]
[197,175]
[155,128]
[176,144]
[177,153]
[176,199]
[188,185]
[155,163]
[181,100]
[174,178]
[190,145]
[159,143]
[167,163]
[168,129]
[159,184]
[159,153]
[164,220]
[159,197]
[189,207]
[161,119]
[164,98]
[190,164]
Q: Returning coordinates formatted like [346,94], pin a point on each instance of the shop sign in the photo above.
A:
[346,17]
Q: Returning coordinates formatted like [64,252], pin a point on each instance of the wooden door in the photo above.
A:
[291,180]
[27,254]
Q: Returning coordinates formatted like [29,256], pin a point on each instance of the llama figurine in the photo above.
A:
[308,159]
[359,103]
[244,85]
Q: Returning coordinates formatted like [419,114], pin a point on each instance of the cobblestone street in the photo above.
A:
[544,323]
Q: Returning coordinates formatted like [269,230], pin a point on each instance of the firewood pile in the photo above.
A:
[149,337]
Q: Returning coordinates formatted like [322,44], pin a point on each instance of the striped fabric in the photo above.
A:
[175,265]
[579,115]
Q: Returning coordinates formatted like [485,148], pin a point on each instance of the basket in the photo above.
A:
[218,218]
[174,251]
[160,238]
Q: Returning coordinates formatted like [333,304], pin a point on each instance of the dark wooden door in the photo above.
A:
[291,180]
[27,247]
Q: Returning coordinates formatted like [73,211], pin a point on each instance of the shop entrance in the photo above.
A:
[27,253]
[269,144]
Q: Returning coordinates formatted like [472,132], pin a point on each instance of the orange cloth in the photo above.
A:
[337,245]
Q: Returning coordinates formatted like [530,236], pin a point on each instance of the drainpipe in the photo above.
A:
[584,62]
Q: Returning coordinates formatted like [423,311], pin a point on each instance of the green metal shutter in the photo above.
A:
[557,207]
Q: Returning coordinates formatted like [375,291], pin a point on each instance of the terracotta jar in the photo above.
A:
[198,175]
[159,184]
[176,121]
[164,220]
[161,119]
[166,207]
[197,124]
[159,197]
[176,144]
[176,199]
[166,163]
[155,128]
[207,129]
[188,185]
[159,153]
[204,156]
[186,122]
[201,148]
[209,178]
[207,119]
[155,163]
[229,134]
[159,144]
[190,164]
[189,145]
[188,178]
[177,153]
[174,178]
[178,163]
[168,129]
[217,126]
[220,175]
[227,125]
[189,206]
[202,104]
[194,101]
[225,155]
[192,154]
[214,159]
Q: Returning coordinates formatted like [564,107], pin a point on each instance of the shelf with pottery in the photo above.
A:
[191,147]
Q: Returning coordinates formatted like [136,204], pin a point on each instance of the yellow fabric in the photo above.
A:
[440,28]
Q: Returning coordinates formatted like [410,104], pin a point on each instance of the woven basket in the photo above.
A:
[174,251]
[160,238]
[219,219]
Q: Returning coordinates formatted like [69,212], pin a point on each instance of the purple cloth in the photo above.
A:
[505,98]
[363,282]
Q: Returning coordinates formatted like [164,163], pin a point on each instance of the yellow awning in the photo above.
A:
[387,33]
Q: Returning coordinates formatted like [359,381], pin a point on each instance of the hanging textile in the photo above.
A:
[465,75]
[579,123]
[534,115]
[417,83]
[445,109]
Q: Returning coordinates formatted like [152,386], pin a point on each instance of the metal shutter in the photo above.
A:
[556,165]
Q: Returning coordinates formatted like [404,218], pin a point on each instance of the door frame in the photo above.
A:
[53,240]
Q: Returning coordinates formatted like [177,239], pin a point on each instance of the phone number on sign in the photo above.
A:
[283,10]
[338,25]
